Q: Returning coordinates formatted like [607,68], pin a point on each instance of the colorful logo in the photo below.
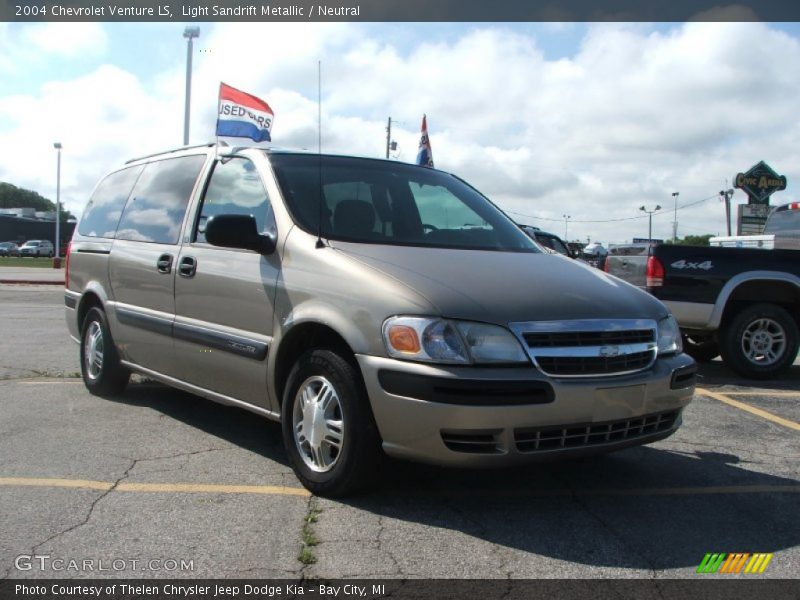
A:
[735,562]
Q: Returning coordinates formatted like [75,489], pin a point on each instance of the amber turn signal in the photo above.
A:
[404,339]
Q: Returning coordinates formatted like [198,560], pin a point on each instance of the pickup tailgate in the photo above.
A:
[629,263]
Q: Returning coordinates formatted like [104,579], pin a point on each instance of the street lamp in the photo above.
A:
[566,225]
[189,33]
[650,224]
[675,222]
[57,146]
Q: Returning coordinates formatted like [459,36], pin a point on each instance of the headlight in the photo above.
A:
[669,336]
[452,342]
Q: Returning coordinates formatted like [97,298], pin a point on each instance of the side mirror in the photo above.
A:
[238,231]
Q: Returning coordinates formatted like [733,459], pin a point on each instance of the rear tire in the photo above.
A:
[102,372]
[329,431]
[760,342]
[702,348]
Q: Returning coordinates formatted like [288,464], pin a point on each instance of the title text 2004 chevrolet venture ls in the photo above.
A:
[367,305]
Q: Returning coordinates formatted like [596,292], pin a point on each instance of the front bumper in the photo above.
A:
[475,416]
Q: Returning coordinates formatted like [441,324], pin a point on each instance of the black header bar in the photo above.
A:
[400,10]
[699,588]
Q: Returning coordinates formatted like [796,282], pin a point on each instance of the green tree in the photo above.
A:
[12,196]
[692,240]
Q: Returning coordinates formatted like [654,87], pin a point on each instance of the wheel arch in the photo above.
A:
[92,296]
[756,287]
[297,340]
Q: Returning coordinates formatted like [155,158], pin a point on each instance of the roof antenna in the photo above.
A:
[319,244]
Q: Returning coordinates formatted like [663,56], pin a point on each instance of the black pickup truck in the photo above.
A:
[741,303]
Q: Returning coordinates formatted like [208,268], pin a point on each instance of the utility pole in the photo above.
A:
[727,195]
[650,224]
[566,226]
[675,222]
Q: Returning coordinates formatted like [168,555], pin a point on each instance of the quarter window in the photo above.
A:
[158,202]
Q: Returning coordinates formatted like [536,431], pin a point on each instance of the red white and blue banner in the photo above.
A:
[243,115]
[425,154]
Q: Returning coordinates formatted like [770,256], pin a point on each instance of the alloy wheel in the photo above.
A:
[318,424]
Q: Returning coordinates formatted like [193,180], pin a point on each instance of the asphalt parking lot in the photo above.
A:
[163,484]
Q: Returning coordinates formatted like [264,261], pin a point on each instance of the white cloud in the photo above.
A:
[631,117]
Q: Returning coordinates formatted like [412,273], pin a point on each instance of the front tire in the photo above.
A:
[329,432]
[102,372]
[760,342]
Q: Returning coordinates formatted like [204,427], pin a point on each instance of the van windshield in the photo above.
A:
[383,202]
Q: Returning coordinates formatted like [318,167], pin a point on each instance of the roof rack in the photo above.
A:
[206,145]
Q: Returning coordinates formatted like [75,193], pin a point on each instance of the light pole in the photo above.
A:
[675,221]
[566,226]
[189,33]
[650,219]
[57,146]
[727,194]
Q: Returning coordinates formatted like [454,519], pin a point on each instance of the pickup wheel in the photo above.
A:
[329,432]
[760,342]
[702,348]
[102,372]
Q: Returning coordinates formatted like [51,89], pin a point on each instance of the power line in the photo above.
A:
[636,218]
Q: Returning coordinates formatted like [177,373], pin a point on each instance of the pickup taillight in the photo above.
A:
[605,265]
[66,266]
[655,272]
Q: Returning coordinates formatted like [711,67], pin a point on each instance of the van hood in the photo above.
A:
[506,287]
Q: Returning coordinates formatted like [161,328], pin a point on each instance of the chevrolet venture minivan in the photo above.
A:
[371,307]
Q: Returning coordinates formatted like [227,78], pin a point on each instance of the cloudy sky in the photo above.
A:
[587,120]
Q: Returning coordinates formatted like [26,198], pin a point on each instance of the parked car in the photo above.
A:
[36,248]
[368,306]
[9,249]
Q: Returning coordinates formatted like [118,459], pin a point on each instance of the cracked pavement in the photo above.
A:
[542,521]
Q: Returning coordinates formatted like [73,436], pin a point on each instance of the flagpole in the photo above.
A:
[319,243]
[216,127]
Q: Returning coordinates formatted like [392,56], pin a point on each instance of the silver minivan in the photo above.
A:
[371,307]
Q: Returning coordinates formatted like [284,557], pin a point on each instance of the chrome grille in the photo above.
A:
[593,434]
[589,347]
[587,338]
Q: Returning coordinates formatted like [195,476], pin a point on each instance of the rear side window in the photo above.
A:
[101,215]
[159,199]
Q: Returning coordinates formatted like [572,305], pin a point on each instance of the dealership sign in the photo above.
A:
[759,183]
